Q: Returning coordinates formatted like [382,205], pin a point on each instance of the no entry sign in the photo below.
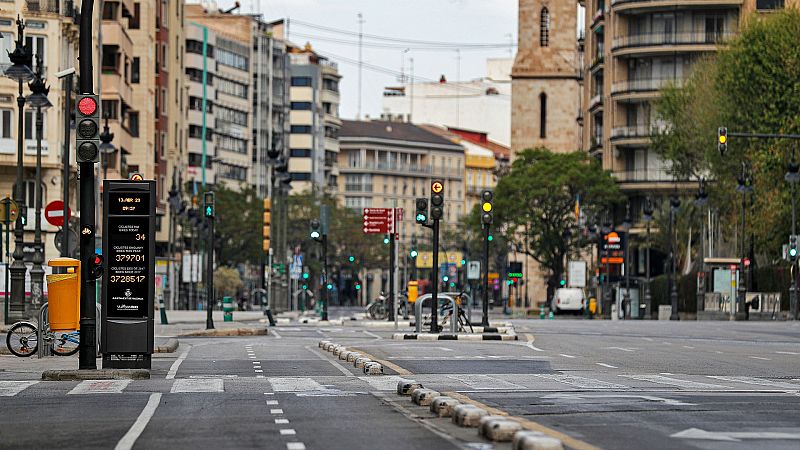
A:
[54,213]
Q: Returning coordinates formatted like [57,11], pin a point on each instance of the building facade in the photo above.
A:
[546,78]
[314,121]
[482,104]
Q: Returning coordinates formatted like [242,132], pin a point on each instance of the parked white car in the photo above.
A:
[568,299]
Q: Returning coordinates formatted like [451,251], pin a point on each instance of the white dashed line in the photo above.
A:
[12,388]
[445,349]
[688,346]
[276,411]
[787,353]
[607,365]
[566,356]
[138,427]
[272,402]
[758,357]
[174,368]
[287,432]
[281,421]
[259,371]
[295,446]
[269,393]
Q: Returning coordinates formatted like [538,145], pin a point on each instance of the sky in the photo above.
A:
[456,21]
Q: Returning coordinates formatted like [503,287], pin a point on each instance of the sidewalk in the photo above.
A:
[183,322]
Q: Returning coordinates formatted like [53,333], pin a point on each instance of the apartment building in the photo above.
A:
[481,104]
[314,121]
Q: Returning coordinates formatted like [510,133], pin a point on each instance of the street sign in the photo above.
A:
[576,274]
[54,213]
[437,187]
[8,211]
[128,284]
[473,270]
[377,220]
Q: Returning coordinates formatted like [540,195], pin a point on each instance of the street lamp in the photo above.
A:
[648,217]
[106,147]
[606,281]
[627,224]
[20,70]
[744,186]
[674,206]
[39,100]
[793,177]
[701,199]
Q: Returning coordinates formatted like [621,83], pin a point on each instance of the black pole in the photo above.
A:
[741,282]
[648,299]
[65,158]
[485,318]
[210,276]
[793,287]
[673,288]
[435,280]
[391,276]
[327,295]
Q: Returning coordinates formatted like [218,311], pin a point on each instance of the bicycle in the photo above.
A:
[378,308]
[446,312]
[22,340]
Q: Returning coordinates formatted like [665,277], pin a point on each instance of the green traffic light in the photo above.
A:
[463,262]
[562,282]
[422,218]
[793,252]
[305,275]
[209,211]
[445,278]
[352,258]
[358,287]
[329,286]
[414,253]
[452,284]
[509,282]
[305,286]
[386,240]
[490,238]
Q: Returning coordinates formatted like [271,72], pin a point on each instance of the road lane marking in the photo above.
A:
[174,368]
[384,383]
[287,432]
[581,382]
[607,365]
[100,387]
[759,357]
[483,382]
[445,349]
[12,388]
[258,371]
[127,441]
[566,356]
[623,349]
[183,385]
[787,353]
[294,384]
[371,334]
[341,368]
[276,411]
[272,402]
[277,336]
[757,381]
[530,345]
[295,446]
[582,396]
[281,421]
[688,346]
[659,379]
[733,436]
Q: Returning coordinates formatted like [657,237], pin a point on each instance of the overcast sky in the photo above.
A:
[459,21]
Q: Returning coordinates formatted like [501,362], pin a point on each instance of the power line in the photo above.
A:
[397,46]
[394,39]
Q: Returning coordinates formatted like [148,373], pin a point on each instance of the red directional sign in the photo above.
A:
[54,213]
[377,220]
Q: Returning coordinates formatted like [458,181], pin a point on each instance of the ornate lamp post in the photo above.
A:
[701,199]
[21,72]
[107,149]
[674,206]
[648,217]
[38,99]
[627,224]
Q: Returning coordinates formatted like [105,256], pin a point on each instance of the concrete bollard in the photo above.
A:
[468,415]
[352,356]
[443,406]
[343,355]
[373,368]
[322,343]
[405,387]
[498,428]
[338,349]
[327,346]
[535,440]
[424,397]
[360,362]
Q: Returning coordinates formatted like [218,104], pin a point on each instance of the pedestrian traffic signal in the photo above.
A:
[437,199]
[267,223]
[329,286]
[88,128]
[490,238]
[422,210]
[487,214]
[315,233]
[562,282]
[452,284]
[208,204]
[96,267]
[793,247]
[463,262]
[445,278]
[413,253]
[722,140]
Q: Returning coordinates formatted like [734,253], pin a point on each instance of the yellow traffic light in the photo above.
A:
[723,139]
[267,223]
[266,244]
[487,207]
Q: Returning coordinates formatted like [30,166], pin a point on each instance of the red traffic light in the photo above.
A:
[98,259]
[87,106]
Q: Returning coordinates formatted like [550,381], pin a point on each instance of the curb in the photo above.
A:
[359,361]
[169,347]
[455,337]
[102,374]
[229,332]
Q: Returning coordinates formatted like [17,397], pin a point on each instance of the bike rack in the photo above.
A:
[43,348]
[418,313]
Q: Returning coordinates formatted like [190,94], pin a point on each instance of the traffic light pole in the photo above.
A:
[485,318]
[325,289]
[793,309]
[392,251]
[435,281]
[87,356]
[210,276]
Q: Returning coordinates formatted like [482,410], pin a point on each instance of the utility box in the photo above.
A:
[64,294]
[128,283]
[413,291]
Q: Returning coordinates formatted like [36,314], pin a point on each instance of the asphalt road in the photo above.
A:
[607,384]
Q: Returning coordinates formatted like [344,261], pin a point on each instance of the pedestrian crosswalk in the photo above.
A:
[328,386]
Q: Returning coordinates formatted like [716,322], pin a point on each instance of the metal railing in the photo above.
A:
[652,39]
[640,175]
[646,84]
[634,131]
[404,168]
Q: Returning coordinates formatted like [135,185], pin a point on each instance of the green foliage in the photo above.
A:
[535,203]
[227,281]
[238,223]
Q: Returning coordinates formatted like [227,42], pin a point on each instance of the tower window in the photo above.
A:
[543,115]
[544,28]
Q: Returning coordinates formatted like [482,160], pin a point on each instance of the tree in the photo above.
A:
[535,204]
[238,224]
[227,281]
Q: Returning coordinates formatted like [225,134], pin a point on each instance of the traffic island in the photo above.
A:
[168,347]
[228,332]
[454,337]
[101,374]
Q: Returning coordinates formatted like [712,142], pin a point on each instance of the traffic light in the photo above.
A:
[329,286]
[386,240]
[722,140]
[562,282]
[413,253]
[315,233]
[96,267]
[445,278]
[422,210]
[267,222]
[793,247]
[358,286]
[487,214]
[88,128]
[208,204]
[490,238]
[437,199]
[463,262]
[305,275]
[351,258]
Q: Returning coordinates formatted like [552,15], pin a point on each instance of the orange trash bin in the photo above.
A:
[64,293]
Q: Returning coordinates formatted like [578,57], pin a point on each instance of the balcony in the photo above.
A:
[643,175]
[631,131]
[704,41]
[642,5]
[61,7]
[410,170]
[596,102]
[643,85]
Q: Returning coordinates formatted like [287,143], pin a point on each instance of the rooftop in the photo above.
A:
[399,131]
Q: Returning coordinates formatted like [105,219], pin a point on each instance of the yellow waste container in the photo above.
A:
[64,293]
[413,291]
